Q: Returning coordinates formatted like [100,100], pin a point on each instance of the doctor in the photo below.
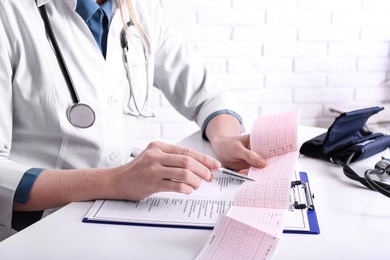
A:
[75,78]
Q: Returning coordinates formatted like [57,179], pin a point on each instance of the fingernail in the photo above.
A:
[217,164]
[261,163]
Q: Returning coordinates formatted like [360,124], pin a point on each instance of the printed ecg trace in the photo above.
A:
[275,135]
[252,227]
[236,240]
[272,186]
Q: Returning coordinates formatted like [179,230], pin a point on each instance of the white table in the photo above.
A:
[354,224]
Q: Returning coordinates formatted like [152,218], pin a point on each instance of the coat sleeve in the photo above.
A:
[181,74]
[10,171]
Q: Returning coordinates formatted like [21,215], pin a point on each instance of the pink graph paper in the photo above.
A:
[251,229]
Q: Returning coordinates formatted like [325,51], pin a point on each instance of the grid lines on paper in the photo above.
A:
[272,186]
[236,240]
[275,135]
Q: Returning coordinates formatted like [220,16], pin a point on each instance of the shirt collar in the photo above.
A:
[73,3]
[42,2]
[107,8]
[86,8]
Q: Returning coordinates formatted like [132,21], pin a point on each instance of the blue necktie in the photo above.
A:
[97,20]
[98,24]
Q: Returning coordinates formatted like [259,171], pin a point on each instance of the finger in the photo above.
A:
[244,171]
[254,159]
[251,157]
[174,186]
[174,166]
[186,158]
[184,168]
[204,159]
[181,175]
[179,187]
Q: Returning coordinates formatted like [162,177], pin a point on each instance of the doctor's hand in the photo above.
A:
[234,153]
[232,148]
[164,167]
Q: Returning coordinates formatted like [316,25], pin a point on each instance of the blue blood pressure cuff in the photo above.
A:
[347,138]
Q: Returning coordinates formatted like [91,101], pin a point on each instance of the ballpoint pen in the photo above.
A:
[231,173]
[220,171]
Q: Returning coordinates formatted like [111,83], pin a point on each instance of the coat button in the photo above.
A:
[111,100]
[113,156]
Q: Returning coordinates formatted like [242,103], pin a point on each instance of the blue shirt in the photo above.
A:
[98,20]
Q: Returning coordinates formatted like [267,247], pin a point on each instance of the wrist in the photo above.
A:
[110,183]
[222,126]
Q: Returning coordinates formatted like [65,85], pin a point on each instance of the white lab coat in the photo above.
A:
[34,96]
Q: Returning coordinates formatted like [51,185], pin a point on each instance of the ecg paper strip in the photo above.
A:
[252,227]
[233,239]
[272,186]
[275,134]
[251,216]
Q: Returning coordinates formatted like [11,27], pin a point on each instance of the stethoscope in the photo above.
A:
[381,171]
[80,114]
[125,46]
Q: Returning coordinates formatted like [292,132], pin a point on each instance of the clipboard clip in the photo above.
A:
[309,196]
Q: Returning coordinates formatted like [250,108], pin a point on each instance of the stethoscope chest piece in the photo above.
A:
[81,115]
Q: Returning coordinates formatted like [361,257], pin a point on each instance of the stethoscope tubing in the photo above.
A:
[80,114]
[61,60]
[125,46]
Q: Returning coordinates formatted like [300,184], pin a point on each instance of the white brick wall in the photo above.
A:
[279,55]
